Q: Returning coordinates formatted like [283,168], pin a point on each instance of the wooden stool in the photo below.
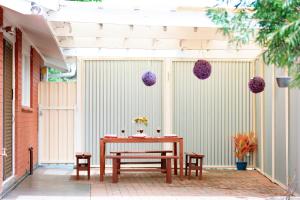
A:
[193,165]
[83,166]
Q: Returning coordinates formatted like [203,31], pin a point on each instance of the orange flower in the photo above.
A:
[244,144]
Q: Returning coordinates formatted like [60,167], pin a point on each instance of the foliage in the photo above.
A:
[279,30]
[52,71]
[141,120]
[244,144]
[278,23]
[238,26]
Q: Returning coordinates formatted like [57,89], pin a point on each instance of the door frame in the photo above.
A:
[11,39]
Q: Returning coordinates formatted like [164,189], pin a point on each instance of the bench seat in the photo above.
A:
[162,162]
[141,152]
[117,160]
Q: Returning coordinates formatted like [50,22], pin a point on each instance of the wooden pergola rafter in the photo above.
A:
[185,29]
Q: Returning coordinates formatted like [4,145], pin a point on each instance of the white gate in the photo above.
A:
[57,116]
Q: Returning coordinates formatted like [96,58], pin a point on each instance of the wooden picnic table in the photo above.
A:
[174,140]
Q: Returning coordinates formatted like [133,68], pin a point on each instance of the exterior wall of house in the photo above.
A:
[26,119]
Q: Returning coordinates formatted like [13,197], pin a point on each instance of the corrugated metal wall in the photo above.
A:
[258,117]
[294,138]
[57,102]
[279,158]
[268,121]
[207,113]
[274,126]
[280,132]
[114,94]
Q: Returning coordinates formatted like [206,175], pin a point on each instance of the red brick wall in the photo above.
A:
[26,119]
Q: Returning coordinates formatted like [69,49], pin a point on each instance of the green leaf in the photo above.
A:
[278,24]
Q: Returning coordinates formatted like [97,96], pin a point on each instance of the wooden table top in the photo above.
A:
[141,140]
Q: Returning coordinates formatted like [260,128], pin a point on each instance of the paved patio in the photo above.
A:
[60,183]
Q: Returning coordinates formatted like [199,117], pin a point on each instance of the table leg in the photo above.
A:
[190,167]
[181,158]
[169,173]
[119,163]
[89,168]
[201,163]
[77,168]
[163,163]
[175,154]
[197,163]
[186,163]
[102,160]
[115,170]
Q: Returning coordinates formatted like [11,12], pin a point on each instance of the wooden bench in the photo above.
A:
[161,152]
[116,160]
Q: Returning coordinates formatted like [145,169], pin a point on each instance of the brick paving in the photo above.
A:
[60,183]
[215,183]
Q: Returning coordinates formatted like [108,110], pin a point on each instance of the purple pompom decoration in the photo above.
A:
[256,84]
[202,69]
[149,78]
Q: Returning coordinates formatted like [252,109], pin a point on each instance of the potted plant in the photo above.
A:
[244,144]
[139,121]
[283,81]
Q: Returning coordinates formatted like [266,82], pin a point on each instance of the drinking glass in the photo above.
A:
[158,130]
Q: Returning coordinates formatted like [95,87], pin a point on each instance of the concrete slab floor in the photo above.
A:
[60,183]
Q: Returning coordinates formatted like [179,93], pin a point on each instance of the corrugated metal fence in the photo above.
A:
[208,113]
[113,94]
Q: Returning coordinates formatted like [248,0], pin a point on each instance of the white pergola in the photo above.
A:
[65,30]
[133,28]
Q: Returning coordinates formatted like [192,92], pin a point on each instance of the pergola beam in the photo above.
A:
[148,43]
[77,26]
[137,31]
[185,54]
[94,14]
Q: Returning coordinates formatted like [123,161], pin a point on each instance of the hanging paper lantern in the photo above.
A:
[202,69]
[256,84]
[149,78]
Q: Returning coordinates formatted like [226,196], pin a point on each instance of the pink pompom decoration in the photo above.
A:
[256,84]
[149,78]
[202,69]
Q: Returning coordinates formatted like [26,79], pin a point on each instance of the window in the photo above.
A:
[26,74]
